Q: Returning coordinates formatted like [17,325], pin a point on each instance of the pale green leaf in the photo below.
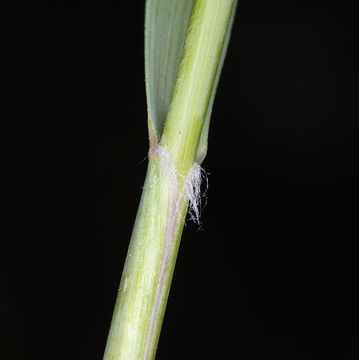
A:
[166,23]
[203,143]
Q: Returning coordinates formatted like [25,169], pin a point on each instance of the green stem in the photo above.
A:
[151,257]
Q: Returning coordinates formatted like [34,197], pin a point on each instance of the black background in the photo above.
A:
[274,270]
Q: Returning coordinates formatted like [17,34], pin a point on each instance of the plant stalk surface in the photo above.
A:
[173,156]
